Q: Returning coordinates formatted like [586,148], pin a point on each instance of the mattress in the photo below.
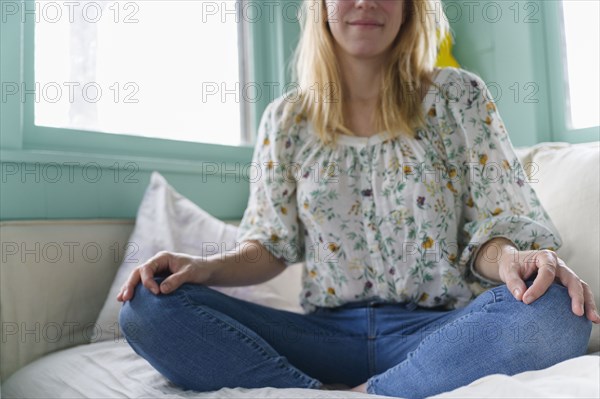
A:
[113,370]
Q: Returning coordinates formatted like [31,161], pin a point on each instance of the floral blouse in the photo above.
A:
[399,219]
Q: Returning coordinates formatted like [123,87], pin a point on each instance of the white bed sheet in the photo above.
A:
[114,370]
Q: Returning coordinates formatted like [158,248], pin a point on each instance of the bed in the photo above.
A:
[49,308]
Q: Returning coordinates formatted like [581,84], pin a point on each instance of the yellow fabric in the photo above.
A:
[445,57]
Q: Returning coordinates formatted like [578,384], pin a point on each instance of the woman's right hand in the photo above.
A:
[184,268]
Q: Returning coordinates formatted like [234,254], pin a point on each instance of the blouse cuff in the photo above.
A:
[281,249]
[287,252]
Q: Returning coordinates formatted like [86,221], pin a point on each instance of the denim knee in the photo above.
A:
[146,308]
[561,333]
[143,309]
[131,316]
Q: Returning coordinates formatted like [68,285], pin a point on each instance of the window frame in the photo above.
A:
[61,139]
[183,163]
[266,58]
[556,69]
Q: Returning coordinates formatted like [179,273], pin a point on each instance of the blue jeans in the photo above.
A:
[204,340]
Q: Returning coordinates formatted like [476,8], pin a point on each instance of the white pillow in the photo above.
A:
[568,186]
[166,220]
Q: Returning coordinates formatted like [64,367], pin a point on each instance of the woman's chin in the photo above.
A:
[366,54]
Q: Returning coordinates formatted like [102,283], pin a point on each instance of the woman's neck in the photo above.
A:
[365,78]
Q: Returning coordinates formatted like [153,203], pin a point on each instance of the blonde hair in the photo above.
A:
[413,57]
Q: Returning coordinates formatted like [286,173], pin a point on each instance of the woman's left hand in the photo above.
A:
[517,266]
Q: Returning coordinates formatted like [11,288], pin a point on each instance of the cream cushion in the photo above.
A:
[50,297]
[566,178]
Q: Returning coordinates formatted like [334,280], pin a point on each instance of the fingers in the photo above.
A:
[582,297]
[126,292]
[591,312]
[553,268]
[127,289]
[145,273]
[514,282]
[174,281]
[546,262]
[574,287]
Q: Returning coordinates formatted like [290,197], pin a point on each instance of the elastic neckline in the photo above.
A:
[382,136]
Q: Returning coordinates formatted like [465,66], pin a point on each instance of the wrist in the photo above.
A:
[492,255]
[205,271]
[494,249]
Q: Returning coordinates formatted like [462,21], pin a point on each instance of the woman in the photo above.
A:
[429,262]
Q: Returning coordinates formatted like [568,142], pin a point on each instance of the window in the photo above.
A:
[581,36]
[161,69]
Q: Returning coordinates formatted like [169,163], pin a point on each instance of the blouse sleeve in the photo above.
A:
[498,200]
[271,216]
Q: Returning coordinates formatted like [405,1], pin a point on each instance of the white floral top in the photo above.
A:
[398,219]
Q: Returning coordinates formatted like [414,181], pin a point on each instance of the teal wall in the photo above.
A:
[53,173]
[515,47]
[490,43]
